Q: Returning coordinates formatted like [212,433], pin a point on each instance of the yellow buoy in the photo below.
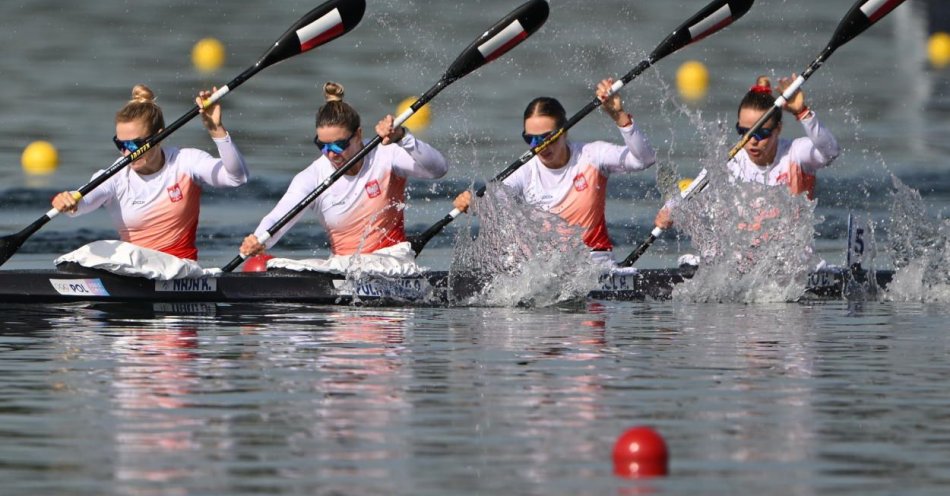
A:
[684,183]
[419,120]
[39,158]
[692,80]
[938,50]
[208,55]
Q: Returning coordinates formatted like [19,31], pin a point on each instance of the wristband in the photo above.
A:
[803,114]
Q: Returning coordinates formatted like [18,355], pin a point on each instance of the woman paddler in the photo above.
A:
[569,178]
[363,211]
[155,201]
[769,159]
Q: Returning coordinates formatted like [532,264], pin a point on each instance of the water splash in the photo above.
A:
[522,256]
[755,242]
[920,247]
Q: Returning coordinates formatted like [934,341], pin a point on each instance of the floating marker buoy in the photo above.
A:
[938,50]
[640,452]
[692,80]
[39,158]
[208,55]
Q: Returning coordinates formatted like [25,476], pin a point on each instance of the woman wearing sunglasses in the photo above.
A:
[570,178]
[155,201]
[362,212]
[767,158]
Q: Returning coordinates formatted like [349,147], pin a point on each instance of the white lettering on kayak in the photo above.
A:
[196,285]
[79,287]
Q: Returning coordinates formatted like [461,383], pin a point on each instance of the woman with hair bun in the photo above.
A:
[769,159]
[362,212]
[155,201]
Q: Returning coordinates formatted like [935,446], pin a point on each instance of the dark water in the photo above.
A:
[783,398]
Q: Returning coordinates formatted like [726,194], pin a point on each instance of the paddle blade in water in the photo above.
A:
[713,17]
[863,14]
[317,27]
[500,38]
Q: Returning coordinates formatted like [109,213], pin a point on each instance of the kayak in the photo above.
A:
[74,283]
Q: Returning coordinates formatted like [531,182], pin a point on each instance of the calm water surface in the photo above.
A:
[763,399]
[831,398]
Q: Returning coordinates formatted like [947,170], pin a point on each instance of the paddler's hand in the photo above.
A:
[612,104]
[388,133]
[211,115]
[251,246]
[796,104]
[66,202]
[664,218]
[462,201]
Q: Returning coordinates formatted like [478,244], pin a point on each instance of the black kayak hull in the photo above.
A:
[72,283]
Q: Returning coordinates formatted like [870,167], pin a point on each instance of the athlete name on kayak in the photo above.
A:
[196,285]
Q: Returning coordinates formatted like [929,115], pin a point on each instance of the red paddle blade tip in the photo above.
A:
[863,14]
[328,22]
[323,24]
[506,34]
[712,18]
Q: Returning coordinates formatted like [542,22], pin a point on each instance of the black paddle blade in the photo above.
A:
[503,36]
[863,14]
[9,245]
[713,17]
[322,24]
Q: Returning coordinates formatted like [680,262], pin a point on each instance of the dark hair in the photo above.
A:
[546,106]
[759,97]
[336,112]
[142,107]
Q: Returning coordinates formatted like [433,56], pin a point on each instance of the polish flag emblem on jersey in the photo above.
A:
[372,189]
[580,182]
[174,193]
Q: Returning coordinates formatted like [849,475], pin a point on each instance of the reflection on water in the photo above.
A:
[287,398]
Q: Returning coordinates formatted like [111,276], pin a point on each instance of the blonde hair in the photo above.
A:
[336,112]
[142,107]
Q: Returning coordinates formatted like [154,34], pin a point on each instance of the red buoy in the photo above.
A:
[257,263]
[640,452]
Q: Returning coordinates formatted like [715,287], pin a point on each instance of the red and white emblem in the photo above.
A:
[580,182]
[372,189]
[174,193]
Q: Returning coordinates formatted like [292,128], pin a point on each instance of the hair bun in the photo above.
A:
[762,85]
[142,94]
[333,92]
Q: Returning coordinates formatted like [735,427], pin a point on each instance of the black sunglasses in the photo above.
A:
[131,145]
[534,140]
[759,134]
[337,146]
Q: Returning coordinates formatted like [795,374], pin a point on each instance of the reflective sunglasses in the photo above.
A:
[534,140]
[336,147]
[131,145]
[760,134]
